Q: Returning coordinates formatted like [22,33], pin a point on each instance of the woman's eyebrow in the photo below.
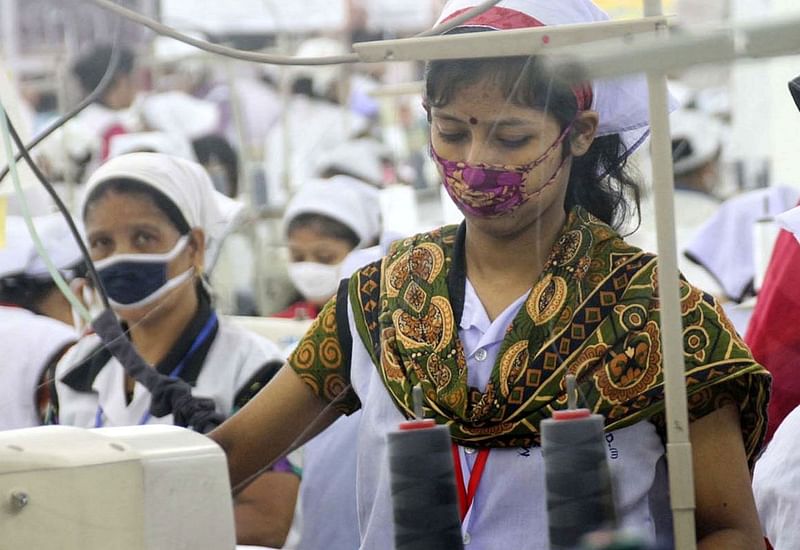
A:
[95,234]
[505,122]
[514,122]
[450,118]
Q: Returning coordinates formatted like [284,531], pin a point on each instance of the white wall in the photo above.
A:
[784,116]
[766,121]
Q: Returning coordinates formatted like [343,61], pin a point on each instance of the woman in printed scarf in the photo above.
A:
[488,317]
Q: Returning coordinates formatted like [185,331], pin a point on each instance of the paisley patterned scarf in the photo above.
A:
[593,312]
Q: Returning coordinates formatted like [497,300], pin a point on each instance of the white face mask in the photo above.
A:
[316,282]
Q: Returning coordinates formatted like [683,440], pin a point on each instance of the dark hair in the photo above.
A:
[27,292]
[215,146]
[90,67]
[324,225]
[134,187]
[599,181]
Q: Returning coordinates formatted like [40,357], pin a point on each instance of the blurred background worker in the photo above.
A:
[36,325]
[774,338]
[697,142]
[111,114]
[332,227]
[326,221]
[316,120]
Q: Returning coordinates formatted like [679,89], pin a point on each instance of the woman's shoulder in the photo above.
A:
[19,323]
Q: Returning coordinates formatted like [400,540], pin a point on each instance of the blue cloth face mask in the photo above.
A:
[136,280]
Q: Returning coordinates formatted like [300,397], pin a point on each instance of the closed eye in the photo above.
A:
[452,137]
[515,143]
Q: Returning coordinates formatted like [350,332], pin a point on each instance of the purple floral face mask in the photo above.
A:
[489,190]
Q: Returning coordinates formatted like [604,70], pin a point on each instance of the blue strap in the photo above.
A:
[204,334]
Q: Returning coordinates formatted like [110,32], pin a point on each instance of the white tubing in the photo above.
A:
[679,447]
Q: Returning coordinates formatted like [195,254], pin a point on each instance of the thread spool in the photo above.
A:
[423,486]
[577,477]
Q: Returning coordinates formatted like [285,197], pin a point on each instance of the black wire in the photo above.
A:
[64,212]
[24,152]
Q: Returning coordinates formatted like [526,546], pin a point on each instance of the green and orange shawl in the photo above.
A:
[593,312]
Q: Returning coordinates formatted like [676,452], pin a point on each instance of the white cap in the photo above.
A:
[322,77]
[180,114]
[362,158]
[702,135]
[19,256]
[342,198]
[186,184]
[151,142]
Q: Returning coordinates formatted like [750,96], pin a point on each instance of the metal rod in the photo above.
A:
[679,448]
[501,44]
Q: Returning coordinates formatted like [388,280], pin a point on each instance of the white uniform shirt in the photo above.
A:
[776,485]
[509,509]
[234,357]
[27,343]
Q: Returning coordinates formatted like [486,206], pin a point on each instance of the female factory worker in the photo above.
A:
[152,223]
[324,222]
[488,317]
[35,318]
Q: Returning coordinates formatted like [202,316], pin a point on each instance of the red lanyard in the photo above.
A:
[466,494]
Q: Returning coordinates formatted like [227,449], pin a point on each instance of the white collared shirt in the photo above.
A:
[234,357]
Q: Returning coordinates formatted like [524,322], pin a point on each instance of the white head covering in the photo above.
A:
[322,77]
[180,114]
[345,199]
[702,133]
[19,256]
[362,158]
[622,103]
[186,184]
[156,142]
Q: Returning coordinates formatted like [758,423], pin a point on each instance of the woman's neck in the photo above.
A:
[155,339]
[503,268]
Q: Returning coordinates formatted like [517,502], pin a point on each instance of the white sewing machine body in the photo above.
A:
[133,488]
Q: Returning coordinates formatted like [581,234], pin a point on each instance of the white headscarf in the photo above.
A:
[322,77]
[622,103]
[186,184]
[703,134]
[342,198]
[180,114]
[19,256]
[156,142]
[362,158]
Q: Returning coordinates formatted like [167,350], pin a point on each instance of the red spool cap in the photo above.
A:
[418,424]
[572,414]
